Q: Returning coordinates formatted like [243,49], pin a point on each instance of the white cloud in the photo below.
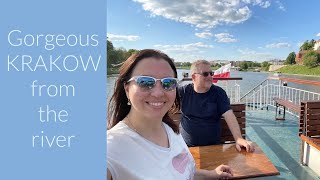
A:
[318,34]
[185,52]
[113,37]
[185,57]
[266,4]
[204,35]
[225,38]
[278,45]
[251,55]
[280,6]
[263,4]
[184,47]
[202,13]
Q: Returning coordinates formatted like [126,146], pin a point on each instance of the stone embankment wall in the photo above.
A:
[275,67]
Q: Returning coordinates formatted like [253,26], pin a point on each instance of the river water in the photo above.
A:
[249,80]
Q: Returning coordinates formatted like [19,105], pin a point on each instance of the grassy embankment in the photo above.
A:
[299,69]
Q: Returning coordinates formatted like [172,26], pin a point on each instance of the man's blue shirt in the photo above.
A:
[201,114]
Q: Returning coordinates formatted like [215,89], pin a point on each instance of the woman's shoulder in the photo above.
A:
[171,134]
[118,133]
[118,137]
[118,128]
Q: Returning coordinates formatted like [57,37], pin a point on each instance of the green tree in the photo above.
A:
[256,64]
[311,59]
[177,64]
[131,51]
[250,64]
[187,64]
[304,46]
[311,44]
[291,58]
[111,54]
[265,63]
[244,65]
[122,54]
[307,45]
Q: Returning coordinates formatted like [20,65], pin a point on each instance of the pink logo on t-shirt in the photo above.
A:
[181,161]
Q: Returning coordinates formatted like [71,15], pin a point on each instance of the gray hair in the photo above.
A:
[195,65]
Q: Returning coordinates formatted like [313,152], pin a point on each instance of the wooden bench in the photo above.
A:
[310,134]
[226,135]
[285,104]
[239,111]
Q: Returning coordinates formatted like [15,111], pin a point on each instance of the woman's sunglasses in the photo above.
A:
[205,74]
[148,82]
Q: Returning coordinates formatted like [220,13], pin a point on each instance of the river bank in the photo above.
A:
[300,70]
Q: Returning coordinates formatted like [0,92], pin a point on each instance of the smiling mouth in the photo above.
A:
[156,104]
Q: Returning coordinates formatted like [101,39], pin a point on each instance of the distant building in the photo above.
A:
[222,62]
[316,46]
[235,63]
[276,62]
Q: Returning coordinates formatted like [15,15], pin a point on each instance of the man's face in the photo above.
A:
[201,81]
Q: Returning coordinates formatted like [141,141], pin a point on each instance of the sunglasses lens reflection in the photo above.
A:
[149,82]
[146,82]
[169,83]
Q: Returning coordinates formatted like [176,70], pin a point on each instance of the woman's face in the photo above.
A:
[155,102]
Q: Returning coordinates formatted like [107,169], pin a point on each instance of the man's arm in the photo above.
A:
[235,130]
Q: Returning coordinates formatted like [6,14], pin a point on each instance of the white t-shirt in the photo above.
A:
[131,156]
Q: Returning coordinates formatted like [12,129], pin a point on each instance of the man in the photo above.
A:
[202,106]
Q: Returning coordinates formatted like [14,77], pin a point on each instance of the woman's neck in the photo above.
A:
[150,129]
[143,124]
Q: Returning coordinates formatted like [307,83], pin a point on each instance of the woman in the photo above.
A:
[143,142]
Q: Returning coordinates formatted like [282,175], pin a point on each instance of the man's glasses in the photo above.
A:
[205,74]
[148,82]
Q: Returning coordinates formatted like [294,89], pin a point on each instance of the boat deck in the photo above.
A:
[280,141]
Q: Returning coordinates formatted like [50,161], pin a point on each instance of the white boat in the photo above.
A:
[277,74]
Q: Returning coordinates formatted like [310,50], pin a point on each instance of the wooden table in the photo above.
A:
[243,164]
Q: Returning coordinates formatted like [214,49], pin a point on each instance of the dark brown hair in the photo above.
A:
[118,108]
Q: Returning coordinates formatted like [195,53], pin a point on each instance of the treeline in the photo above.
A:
[245,65]
[188,64]
[115,56]
[310,57]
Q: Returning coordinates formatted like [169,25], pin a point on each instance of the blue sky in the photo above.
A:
[188,30]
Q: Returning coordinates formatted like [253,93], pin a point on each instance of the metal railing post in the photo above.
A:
[267,102]
[260,99]
[279,96]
